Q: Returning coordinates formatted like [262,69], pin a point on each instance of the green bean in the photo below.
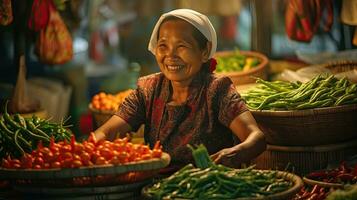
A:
[303,96]
[344,98]
[18,146]
[270,99]
[32,128]
[318,93]
[271,85]
[312,105]
[19,119]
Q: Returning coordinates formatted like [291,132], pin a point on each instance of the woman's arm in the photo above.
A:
[253,142]
[110,128]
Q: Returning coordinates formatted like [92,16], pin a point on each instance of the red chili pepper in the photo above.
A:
[343,167]
[314,196]
[315,189]
[318,175]
[346,177]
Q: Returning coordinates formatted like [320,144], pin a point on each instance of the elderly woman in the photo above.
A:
[186,103]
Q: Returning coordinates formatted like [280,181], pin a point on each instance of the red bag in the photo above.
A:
[39,15]
[54,44]
[5,12]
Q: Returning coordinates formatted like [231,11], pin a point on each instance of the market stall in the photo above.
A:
[231,102]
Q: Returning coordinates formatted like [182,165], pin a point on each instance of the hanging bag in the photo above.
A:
[54,44]
[5,12]
[39,15]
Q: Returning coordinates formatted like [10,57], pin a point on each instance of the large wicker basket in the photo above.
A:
[305,159]
[308,127]
[297,183]
[239,78]
[99,116]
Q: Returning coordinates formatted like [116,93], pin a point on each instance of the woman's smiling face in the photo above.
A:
[177,52]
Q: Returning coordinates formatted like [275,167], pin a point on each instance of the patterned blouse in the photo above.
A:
[204,118]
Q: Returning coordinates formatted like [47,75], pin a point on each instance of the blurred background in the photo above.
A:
[110,39]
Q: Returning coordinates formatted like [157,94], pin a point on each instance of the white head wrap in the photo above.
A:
[198,20]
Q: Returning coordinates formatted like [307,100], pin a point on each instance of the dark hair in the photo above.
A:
[199,37]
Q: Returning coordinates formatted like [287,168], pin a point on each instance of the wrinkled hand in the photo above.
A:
[226,157]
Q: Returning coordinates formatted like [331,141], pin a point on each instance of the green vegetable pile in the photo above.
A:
[321,91]
[211,181]
[236,62]
[349,193]
[19,135]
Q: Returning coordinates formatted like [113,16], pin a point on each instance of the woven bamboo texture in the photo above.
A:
[100,170]
[322,184]
[99,116]
[85,190]
[239,78]
[304,159]
[341,66]
[308,127]
[296,180]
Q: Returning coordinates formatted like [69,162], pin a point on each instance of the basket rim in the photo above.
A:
[260,67]
[321,183]
[94,110]
[313,148]
[339,63]
[306,112]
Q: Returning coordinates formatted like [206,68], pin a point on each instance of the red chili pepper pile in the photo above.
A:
[75,154]
[313,193]
[343,174]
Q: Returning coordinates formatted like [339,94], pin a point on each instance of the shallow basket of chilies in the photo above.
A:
[317,126]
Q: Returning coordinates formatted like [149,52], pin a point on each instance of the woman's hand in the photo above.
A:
[227,157]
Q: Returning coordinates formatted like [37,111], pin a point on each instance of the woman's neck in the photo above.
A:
[180,93]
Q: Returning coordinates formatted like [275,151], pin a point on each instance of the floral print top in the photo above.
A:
[204,118]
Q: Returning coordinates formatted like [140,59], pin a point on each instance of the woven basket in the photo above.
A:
[99,116]
[341,66]
[308,127]
[92,175]
[322,184]
[289,193]
[305,159]
[239,78]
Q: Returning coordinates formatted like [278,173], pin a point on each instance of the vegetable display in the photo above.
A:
[236,62]
[343,174]
[73,154]
[19,135]
[211,181]
[315,192]
[109,102]
[348,193]
[321,91]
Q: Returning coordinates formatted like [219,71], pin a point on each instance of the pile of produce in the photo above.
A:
[211,181]
[315,192]
[74,154]
[236,62]
[321,91]
[348,193]
[343,174]
[19,135]
[109,102]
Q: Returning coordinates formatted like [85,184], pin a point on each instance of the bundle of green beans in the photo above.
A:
[217,182]
[322,91]
[19,135]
